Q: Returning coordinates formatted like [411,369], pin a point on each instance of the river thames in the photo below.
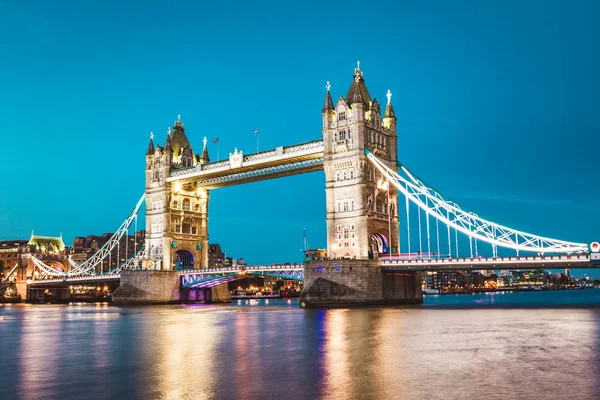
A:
[492,346]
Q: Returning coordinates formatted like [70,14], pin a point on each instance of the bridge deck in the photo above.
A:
[526,262]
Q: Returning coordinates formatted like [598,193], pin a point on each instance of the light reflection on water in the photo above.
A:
[254,351]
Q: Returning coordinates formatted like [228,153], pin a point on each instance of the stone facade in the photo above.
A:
[362,217]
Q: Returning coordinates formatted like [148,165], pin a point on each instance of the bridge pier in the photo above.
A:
[148,286]
[352,283]
[217,294]
[164,287]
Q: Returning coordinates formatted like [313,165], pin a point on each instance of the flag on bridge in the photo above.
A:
[216,140]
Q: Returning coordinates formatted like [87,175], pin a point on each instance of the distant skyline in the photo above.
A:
[497,106]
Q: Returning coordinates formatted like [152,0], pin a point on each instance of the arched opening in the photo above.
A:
[186,205]
[183,259]
[380,241]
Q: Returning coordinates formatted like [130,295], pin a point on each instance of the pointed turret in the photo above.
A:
[389,109]
[328,102]
[204,159]
[358,92]
[328,109]
[150,145]
[168,143]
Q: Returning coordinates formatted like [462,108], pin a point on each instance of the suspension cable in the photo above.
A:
[489,232]
[408,225]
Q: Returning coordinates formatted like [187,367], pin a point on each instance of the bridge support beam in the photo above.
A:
[351,283]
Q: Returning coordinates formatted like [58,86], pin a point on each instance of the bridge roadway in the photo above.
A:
[493,263]
[214,276]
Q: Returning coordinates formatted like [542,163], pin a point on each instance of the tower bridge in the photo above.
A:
[358,153]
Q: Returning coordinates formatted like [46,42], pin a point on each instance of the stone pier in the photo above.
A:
[351,283]
[164,287]
[148,286]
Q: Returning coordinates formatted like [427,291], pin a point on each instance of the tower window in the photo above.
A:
[194,230]
[177,228]
[186,228]
[175,205]
[342,115]
[186,205]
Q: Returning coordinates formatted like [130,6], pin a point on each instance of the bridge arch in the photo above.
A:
[379,242]
[184,258]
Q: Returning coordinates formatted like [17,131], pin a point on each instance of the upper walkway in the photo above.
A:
[240,168]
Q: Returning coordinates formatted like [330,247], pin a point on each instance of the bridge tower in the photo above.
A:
[362,219]
[176,214]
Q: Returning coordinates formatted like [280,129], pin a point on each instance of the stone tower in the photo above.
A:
[176,215]
[362,216]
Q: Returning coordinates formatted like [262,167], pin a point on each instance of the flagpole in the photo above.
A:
[218,158]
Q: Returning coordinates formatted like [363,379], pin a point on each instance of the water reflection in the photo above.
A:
[257,352]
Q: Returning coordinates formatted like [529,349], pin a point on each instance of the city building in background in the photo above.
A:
[85,246]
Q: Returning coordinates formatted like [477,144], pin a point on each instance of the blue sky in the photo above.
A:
[497,106]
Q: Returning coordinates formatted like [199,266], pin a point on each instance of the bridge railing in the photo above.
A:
[485,260]
[248,268]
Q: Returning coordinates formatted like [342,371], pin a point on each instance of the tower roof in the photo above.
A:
[179,140]
[47,242]
[358,90]
[328,106]
[150,145]
[204,159]
[389,109]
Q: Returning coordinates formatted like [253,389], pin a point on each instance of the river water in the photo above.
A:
[486,346]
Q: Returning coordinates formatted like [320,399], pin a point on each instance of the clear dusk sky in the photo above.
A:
[498,107]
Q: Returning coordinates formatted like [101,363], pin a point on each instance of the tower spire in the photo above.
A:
[328,102]
[389,109]
[204,159]
[358,90]
[150,145]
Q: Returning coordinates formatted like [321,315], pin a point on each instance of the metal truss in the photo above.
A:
[213,277]
[130,263]
[88,267]
[450,214]
[289,275]
[11,272]
[90,264]
[279,154]
[273,171]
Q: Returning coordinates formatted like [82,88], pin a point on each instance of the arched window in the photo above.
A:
[186,205]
